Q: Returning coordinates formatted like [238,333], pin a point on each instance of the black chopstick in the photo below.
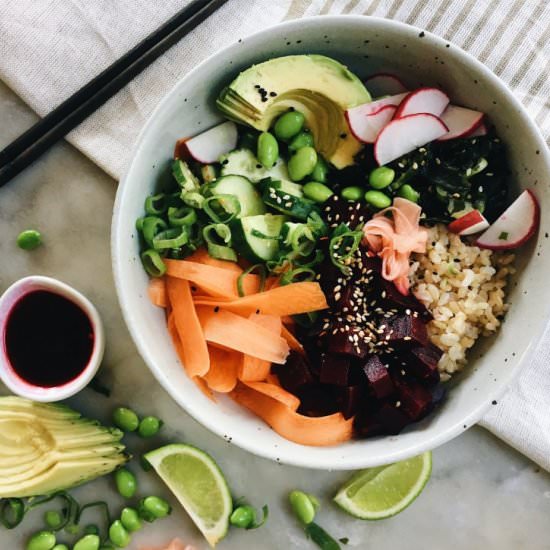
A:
[31,144]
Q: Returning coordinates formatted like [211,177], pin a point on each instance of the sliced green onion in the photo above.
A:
[240,279]
[218,205]
[70,507]
[193,199]
[343,245]
[298,275]
[152,263]
[184,215]
[265,514]
[316,260]
[221,252]
[300,238]
[217,233]
[175,237]
[151,226]
[156,204]
[98,504]
[12,512]
[139,224]
[317,224]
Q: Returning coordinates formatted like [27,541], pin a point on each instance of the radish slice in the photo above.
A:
[384,84]
[461,121]
[514,226]
[469,224]
[366,128]
[403,135]
[423,100]
[374,106]
[481,130]
[211,145]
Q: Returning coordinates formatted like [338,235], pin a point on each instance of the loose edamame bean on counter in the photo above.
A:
[378,199]
[118,534]
[149,426]
[352,193]
[288,125]
[156,506]
[267,151]
[125,419]
[408,192]
[88,542]
[316,191]
[243,516]
[303,139]
[29,239]
[126,482]
[130,519]
[381,177]
[43,540]
[53,519]
[303,506]
[302,163]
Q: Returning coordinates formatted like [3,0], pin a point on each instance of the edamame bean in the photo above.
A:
[118,534]
[156,506]
[408,192]
[126,483]
[29,239]
[303,139]
[302,163]
[320,171]
[302,506]
[130,519]
[381,177]
[149,426]
[53,519]
[60,547]
[352,193]
[289,125]
[267,150]
[88,542]
[378,199]
[125,419]
[43,540]
[316,191]
[243,517]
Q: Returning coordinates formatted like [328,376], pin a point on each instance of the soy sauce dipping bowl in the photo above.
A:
[8,374]
[367,45]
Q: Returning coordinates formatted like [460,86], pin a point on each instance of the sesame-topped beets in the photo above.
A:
[368,355]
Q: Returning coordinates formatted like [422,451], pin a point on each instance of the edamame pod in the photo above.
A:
[288,125]
[267,149]
[302,163]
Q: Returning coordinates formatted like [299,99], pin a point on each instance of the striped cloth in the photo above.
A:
[50,48]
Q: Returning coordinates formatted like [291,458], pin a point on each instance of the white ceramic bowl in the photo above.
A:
[367,45]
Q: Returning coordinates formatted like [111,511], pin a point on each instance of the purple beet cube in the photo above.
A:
[392,419]
[349,400]
[317,400]
[413,398]
[378,377]
[345,340]
[295,373]
[367,424]
[422,362]
[394,299]
[406,331]
[335,369]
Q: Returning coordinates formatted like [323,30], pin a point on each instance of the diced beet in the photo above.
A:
[422,362]
[317,400]
[406,331]
[335,369]
[378,377]
[295,373]
[439,394]
[349,400]
[393,298]
[342,340]
[367,425]
[392,419]
[413,398]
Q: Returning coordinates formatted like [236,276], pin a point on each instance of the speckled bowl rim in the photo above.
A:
[301,456]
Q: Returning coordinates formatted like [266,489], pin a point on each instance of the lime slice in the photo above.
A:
[378,493]
[198,484]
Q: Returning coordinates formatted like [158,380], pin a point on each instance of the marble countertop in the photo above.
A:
[482,494]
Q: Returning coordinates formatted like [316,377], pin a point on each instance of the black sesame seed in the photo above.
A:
[216,309]
[343,135]
[273,94]
[422,34]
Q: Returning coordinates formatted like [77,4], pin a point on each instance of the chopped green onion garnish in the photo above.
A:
[152,263]
[151,226]
[222,208]
[185,215]
[217,233]
[343,245]
[156,204]
[175,237]
[261,272]
[222,252]
[193,199]
[298,274]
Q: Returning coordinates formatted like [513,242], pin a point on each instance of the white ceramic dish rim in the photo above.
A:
[307,460]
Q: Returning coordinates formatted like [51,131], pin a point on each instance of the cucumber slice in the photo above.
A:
[295,206]
[247,195]
[183,175]
[242,162]
[257,237]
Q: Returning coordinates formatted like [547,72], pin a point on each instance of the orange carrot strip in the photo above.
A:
[216,281]
[305,430]
[201,256]
[276,392]
[235,332]
[291,340]
[194,351]
[290,299]
[224,364]
[253,369]
[203,386]
[157,292]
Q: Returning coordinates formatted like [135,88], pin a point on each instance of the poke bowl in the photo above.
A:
[448,242]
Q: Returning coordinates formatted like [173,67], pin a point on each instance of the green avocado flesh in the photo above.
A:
[317,86]
[48,447]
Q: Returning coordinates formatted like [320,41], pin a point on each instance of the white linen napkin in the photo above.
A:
[50,48]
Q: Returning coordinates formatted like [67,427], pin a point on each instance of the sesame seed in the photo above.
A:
[407,338]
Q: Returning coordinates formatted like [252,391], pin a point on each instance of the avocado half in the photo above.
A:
[318,86]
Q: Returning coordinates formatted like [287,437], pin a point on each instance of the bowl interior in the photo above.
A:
[366,45]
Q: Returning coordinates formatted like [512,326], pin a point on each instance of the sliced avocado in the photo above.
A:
[318,86]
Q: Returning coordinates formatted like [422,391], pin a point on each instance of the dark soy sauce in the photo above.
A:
[48,339]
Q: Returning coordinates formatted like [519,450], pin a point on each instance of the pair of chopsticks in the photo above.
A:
[36,140]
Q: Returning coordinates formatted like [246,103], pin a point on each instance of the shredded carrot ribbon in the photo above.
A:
[394,238]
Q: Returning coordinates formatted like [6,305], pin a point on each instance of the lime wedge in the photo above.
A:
[198,483]
[382,492]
